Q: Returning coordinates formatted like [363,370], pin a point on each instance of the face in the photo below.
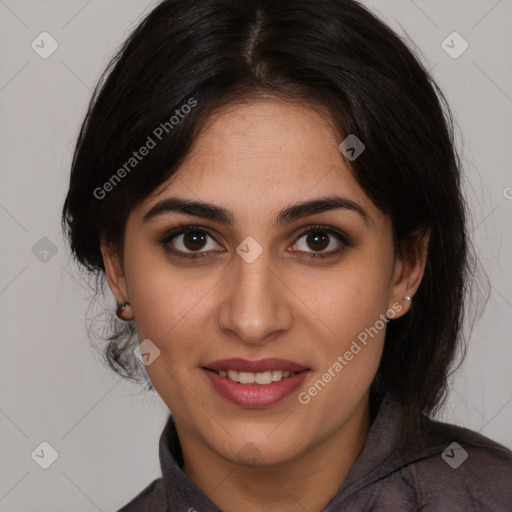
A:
[253,284]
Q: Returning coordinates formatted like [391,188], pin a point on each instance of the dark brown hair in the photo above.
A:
[332,53]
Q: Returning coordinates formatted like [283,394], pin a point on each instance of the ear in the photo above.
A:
[408,271]
[114,272]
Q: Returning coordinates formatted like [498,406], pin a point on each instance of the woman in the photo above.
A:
[272,192]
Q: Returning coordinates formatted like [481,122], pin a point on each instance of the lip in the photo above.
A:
[261,365]
[255,395]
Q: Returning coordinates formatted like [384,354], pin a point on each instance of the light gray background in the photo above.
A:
[52,385]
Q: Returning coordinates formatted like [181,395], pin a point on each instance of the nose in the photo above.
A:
[255,303]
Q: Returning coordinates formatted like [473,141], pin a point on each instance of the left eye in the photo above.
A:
[319,238]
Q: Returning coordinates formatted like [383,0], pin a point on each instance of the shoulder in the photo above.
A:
[151,499]
[459,469]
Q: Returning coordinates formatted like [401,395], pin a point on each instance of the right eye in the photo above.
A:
[187,242]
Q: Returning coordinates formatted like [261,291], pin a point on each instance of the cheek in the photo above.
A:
[164,309]
[351,311]
[158,292]
[171,306]
[350,350]
[357,331]
[354,297]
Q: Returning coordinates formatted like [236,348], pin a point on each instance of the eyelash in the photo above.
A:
[340,236]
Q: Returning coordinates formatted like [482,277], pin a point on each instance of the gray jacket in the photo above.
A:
[451,469]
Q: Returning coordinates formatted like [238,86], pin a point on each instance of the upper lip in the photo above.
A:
[261,365]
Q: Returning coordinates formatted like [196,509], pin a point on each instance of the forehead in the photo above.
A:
[265,139]
[256,156]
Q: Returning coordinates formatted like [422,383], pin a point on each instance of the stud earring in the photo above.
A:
[121,308]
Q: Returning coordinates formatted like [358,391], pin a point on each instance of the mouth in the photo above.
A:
[255,383]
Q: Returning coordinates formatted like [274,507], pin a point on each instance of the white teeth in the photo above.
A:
[233,375]
[263,378]
[245,378]
[259,378]
[277,375]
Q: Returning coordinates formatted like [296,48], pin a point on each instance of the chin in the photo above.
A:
[255,450]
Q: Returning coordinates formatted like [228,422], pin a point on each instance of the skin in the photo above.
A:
[255,159]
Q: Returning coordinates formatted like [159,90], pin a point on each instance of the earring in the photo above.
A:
[121,309]
[406,297]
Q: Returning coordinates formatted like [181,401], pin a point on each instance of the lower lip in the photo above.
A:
[255,395]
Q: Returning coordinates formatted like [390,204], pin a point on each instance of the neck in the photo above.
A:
[306,483]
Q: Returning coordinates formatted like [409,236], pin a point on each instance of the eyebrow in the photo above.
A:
[225,216]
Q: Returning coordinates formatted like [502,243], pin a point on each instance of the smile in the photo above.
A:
[255,383]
